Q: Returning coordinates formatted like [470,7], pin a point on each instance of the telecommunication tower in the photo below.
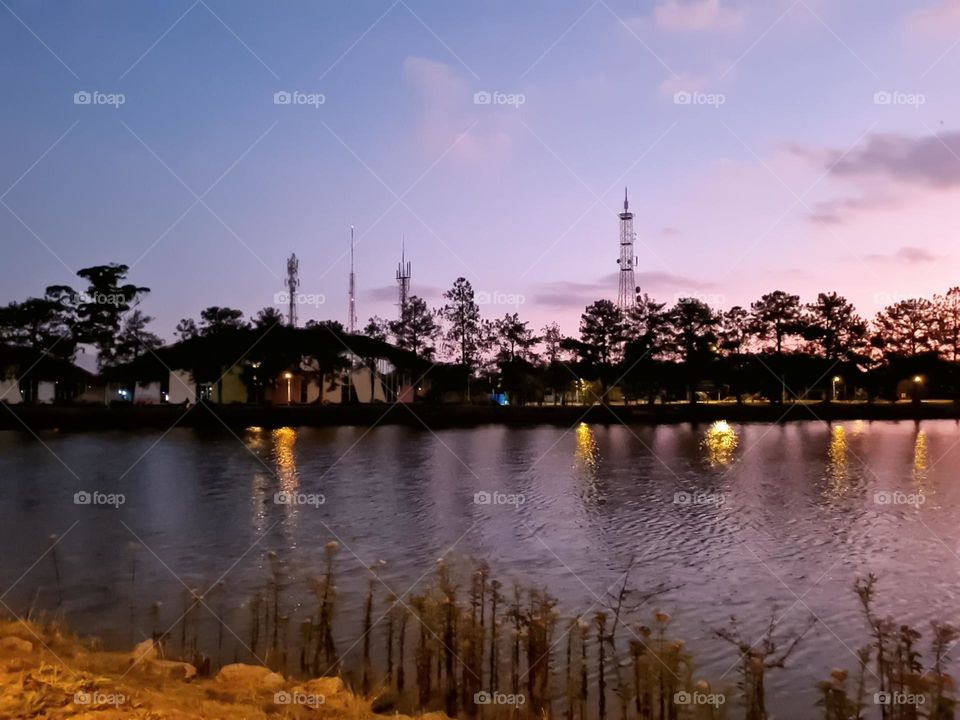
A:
[403,279]
[352,294]
[628,288]
[293,285]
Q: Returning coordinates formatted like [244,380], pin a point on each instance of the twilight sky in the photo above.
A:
[820,149]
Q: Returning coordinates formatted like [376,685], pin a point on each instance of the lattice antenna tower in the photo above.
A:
[627,296]
[352,294]
[293,287]
[403,278]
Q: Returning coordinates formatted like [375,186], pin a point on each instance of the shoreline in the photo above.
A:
[26,418]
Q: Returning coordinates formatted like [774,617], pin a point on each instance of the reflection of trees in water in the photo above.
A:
[720,442]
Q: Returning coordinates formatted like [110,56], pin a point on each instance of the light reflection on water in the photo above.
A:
[799,520]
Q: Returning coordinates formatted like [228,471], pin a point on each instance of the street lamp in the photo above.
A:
[917,381]
[836,379]
[288,376]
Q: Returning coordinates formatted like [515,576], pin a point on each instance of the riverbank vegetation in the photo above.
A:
[777,349]
[466,644]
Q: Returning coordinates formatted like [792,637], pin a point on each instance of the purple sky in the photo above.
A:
[819,149]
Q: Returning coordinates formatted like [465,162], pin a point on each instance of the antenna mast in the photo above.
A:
[403,278]
[628,289]
[352,305]
[293,285]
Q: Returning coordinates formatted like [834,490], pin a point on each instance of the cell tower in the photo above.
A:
[628,288]
[403,278]
[352,292]
[293,285]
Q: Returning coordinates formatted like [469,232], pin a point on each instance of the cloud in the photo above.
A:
[697,15]
[941,18]
[449,118]
[568,294]
[932,161]
[907,254]
[838,211]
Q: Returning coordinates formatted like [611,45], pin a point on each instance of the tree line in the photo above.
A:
[777,348]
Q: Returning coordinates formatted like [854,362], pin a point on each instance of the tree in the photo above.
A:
[267,319]
[601,340]
[776,315]
[904,328]
[733,336]
[551,340]
[102,308]
[693,338]
[946,310]
[646,326]
[417,329]
[834,327]
[465,331]
[216,320]
[514,338]
[187,329]
[376,328]
[134,339]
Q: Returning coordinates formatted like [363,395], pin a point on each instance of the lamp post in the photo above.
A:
[836,379]
[288,376]
[917,382]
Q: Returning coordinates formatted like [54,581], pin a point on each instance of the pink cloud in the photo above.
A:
[939,19]
[697,15]
[450,121]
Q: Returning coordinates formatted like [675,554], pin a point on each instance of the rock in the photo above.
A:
[244,675]
[15,645]
[172,669]
[144,651]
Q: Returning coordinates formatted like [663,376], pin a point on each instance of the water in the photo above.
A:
[743,520]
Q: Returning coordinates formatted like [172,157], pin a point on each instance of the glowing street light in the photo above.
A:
[836,380]
[288,376]
[917,382]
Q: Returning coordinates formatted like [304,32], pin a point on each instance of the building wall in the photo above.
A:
[46,392]
[232,385]
[182,388]
[10,391]
[148,394]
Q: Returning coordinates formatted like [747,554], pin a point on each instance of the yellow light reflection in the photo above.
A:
[838,463]
[720,442]
[587,457]
[921,457]
[284,440]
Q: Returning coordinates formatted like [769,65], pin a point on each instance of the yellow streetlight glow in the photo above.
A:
[288,375]
[917,379]
[837,378]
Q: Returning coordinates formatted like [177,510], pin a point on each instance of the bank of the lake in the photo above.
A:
[95,417]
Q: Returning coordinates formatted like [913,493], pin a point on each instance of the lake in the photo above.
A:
[729,520]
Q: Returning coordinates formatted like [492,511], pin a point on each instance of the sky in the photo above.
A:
[801,145]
